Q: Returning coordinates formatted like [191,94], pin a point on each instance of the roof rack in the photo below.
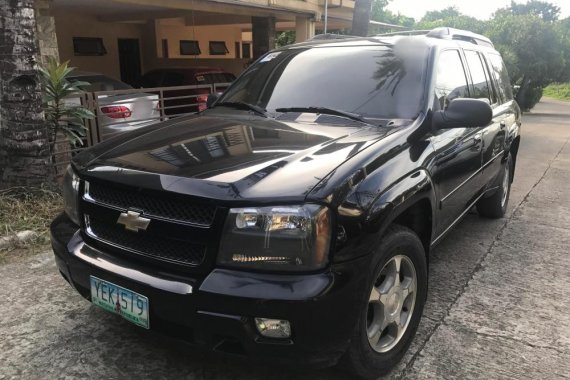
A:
[445,33]
[330,36]
[462,35]
[405,33]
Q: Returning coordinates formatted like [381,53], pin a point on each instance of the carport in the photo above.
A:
[124,38]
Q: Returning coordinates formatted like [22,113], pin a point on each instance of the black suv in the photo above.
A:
[292,220]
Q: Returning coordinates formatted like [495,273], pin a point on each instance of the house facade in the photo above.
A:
[126,38]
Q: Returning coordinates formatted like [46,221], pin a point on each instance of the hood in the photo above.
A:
[229,157]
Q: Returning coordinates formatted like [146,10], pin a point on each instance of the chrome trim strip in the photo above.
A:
[93,257]
[88,198]
[437,239]
[470,177]
[212,314]
[501,153]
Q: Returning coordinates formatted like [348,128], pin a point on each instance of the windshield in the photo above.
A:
[101,83]
[382,81]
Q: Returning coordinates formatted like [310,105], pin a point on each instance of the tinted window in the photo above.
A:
[190,47]
[490,79]
[502,76]
[218,48]
[101,83]
[451,82]
[373,81]
[152,79]
[246,50]
[480,77]
[172,79]
[212,78]
[88,46]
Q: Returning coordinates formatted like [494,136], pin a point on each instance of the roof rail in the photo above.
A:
[462,35]
[405,33]
[330,36]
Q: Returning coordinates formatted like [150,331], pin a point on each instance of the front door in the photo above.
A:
[456,169]
[130,61]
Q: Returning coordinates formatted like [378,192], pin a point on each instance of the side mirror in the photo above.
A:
[211,100]
[463,113]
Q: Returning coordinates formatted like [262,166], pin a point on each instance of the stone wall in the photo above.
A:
[45,31]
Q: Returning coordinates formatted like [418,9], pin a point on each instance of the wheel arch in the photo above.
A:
[409,203]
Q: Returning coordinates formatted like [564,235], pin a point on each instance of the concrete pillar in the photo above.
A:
[304,28]
[263,29]
[45,31]
[151,46]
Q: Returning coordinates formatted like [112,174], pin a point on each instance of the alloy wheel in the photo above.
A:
[505,185]
[391,303]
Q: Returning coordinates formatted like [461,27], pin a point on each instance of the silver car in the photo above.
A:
[117,113]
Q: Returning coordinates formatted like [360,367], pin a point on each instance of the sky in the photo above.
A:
[481,9]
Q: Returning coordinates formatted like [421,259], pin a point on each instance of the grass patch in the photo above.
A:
[559,91]
[25,208]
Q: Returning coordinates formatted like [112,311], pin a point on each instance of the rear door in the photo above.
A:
[493,135]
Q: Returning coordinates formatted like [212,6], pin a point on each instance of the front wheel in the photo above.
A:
[495,206]
[393,306]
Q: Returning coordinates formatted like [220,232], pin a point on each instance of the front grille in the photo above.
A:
[142,243]
[159,206]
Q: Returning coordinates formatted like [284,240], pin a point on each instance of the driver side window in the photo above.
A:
[451,82]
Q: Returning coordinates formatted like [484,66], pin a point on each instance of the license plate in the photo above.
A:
[128,304]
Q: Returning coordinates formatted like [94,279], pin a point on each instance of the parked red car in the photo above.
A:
[184,101]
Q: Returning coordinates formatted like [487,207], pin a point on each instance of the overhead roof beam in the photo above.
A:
[234,7]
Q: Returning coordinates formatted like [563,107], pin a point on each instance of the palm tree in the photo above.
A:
[24,144]
[361,17]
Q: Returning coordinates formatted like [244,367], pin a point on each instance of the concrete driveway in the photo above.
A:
[497,305]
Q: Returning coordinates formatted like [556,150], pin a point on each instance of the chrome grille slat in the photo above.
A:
[152,246]
[156,206]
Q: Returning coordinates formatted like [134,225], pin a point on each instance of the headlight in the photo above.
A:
[286,238]
[71,194]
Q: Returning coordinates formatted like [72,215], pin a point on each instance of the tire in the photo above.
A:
[495,206]
[361,358]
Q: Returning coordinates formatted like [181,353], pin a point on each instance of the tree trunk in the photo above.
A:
[24,144]
[521,94]
[361,17]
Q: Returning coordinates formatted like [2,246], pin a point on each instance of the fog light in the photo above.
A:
[273,328]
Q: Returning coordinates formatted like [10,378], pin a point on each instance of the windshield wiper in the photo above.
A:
[325,111]
[244,106]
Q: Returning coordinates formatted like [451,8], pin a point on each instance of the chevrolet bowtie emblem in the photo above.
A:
[133,221]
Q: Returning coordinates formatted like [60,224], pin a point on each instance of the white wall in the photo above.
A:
[71,25]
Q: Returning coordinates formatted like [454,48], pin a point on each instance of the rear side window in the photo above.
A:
[212,78]
[451,82]
[482,87]
[501,76]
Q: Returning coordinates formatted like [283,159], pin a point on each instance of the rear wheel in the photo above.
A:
[495,206]
[392,309]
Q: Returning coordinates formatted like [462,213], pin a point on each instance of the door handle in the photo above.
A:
[502,124]
[478,137]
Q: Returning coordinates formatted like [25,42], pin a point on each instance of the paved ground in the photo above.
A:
[497,305]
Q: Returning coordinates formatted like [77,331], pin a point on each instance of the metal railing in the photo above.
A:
[120,111]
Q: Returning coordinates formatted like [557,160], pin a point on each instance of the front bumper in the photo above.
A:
[218,311]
